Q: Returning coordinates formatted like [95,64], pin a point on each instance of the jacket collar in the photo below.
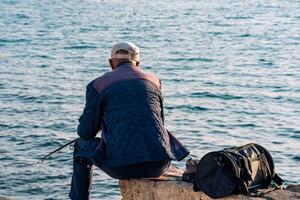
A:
[125,64]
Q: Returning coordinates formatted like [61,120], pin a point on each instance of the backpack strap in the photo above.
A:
[262,192]
[242,186]
[279,182]
[274,177]
[247,172]
[266,163]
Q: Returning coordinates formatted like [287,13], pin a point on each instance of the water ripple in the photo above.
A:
[229,70]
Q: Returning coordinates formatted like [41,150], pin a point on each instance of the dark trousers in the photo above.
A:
[92,152]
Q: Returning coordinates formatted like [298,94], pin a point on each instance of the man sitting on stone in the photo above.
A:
[126,104]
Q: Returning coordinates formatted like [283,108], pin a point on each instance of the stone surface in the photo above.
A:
[143,189]
[170,187]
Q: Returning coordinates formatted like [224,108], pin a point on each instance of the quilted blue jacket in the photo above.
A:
[126,104]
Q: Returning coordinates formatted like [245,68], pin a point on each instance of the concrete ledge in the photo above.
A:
[178,190]
[167,187]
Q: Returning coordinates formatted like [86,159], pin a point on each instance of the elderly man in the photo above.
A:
[126,104]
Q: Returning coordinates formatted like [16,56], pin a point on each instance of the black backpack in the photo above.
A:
[244,169]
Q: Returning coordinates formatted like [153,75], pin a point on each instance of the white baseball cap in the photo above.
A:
[132,49]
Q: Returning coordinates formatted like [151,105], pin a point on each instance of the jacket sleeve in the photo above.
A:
[161,103]
[90,120]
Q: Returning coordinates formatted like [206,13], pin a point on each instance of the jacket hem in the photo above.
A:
[129,160]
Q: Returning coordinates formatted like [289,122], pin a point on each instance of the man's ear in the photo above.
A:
[111,64]
[137,64]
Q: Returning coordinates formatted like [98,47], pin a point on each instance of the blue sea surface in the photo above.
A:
[230,72]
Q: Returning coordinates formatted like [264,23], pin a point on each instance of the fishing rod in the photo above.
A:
[56,150]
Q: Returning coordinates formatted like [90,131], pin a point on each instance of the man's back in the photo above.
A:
[132,125]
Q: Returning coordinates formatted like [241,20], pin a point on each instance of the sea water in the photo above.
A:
[230,72]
